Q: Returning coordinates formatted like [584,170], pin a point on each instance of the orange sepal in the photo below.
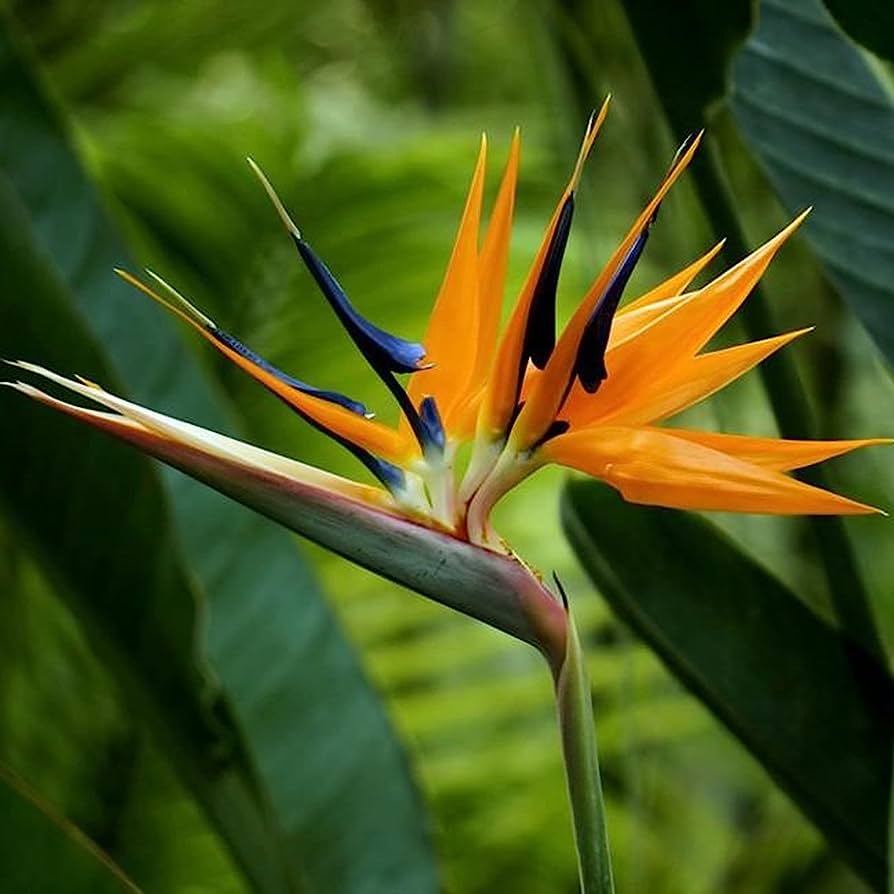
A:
[652,467]
[684,386]
[779,454]
[498,402]
[492,265]
[450,340]
[673,285]
[636,315]
[549,391]
[676,336]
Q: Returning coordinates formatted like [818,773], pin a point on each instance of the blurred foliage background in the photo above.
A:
[366,116]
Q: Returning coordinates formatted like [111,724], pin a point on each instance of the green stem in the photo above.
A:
[576,723]
[786,395]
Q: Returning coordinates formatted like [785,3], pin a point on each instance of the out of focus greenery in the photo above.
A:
[366,116]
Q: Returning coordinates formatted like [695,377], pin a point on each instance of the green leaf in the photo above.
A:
[345,805]
[869,22]
[812,707]
[821,121]
[41,851]
[702,28]
[97,521]
[687,47]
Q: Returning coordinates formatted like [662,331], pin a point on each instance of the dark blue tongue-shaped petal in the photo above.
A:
[590,365]
[432,424]
[383,351]
[386,354]
[390,475]
[540,336]
[332,396]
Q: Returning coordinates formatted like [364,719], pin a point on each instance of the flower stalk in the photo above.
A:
[576,723]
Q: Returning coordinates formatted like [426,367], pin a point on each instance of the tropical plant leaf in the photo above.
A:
[811,706]
[821,122]
[869,22]
[126,581]
[346,808]
[712,30]
[670,62]
[41,851]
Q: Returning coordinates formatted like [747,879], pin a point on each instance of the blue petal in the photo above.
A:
[332,396]
[556,427]
[384,352]
[540,333]
[389,474]
[432,424]
[590,363]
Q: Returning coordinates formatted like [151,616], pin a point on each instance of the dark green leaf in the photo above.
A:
[125,580]
[41,851]
[689,72]
[822,123]
[687,47]
[869,22]
[345,803]
[815,710]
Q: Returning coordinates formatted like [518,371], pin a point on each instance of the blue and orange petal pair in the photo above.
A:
[590,399]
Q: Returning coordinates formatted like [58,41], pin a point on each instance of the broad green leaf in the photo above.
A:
[42,851]
[813,708]
[706,34]
[821,121]
[687,47]
[869,22]
[99,768]
[346,807]
[126,579]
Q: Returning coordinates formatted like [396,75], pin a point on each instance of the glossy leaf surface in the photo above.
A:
[813,708]
[38,848]
[821,121]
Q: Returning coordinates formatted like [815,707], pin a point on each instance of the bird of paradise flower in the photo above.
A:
[590,400]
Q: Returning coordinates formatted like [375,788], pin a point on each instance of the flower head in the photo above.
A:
[590,398]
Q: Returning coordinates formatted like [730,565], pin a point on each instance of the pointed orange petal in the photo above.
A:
[498,402]
[549,391]
[450,339]
[635,316]
[378,439]
[629,325]
[684,386]
[653,467]
[675,337]
[493,262]
[775,453]
[674,285]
